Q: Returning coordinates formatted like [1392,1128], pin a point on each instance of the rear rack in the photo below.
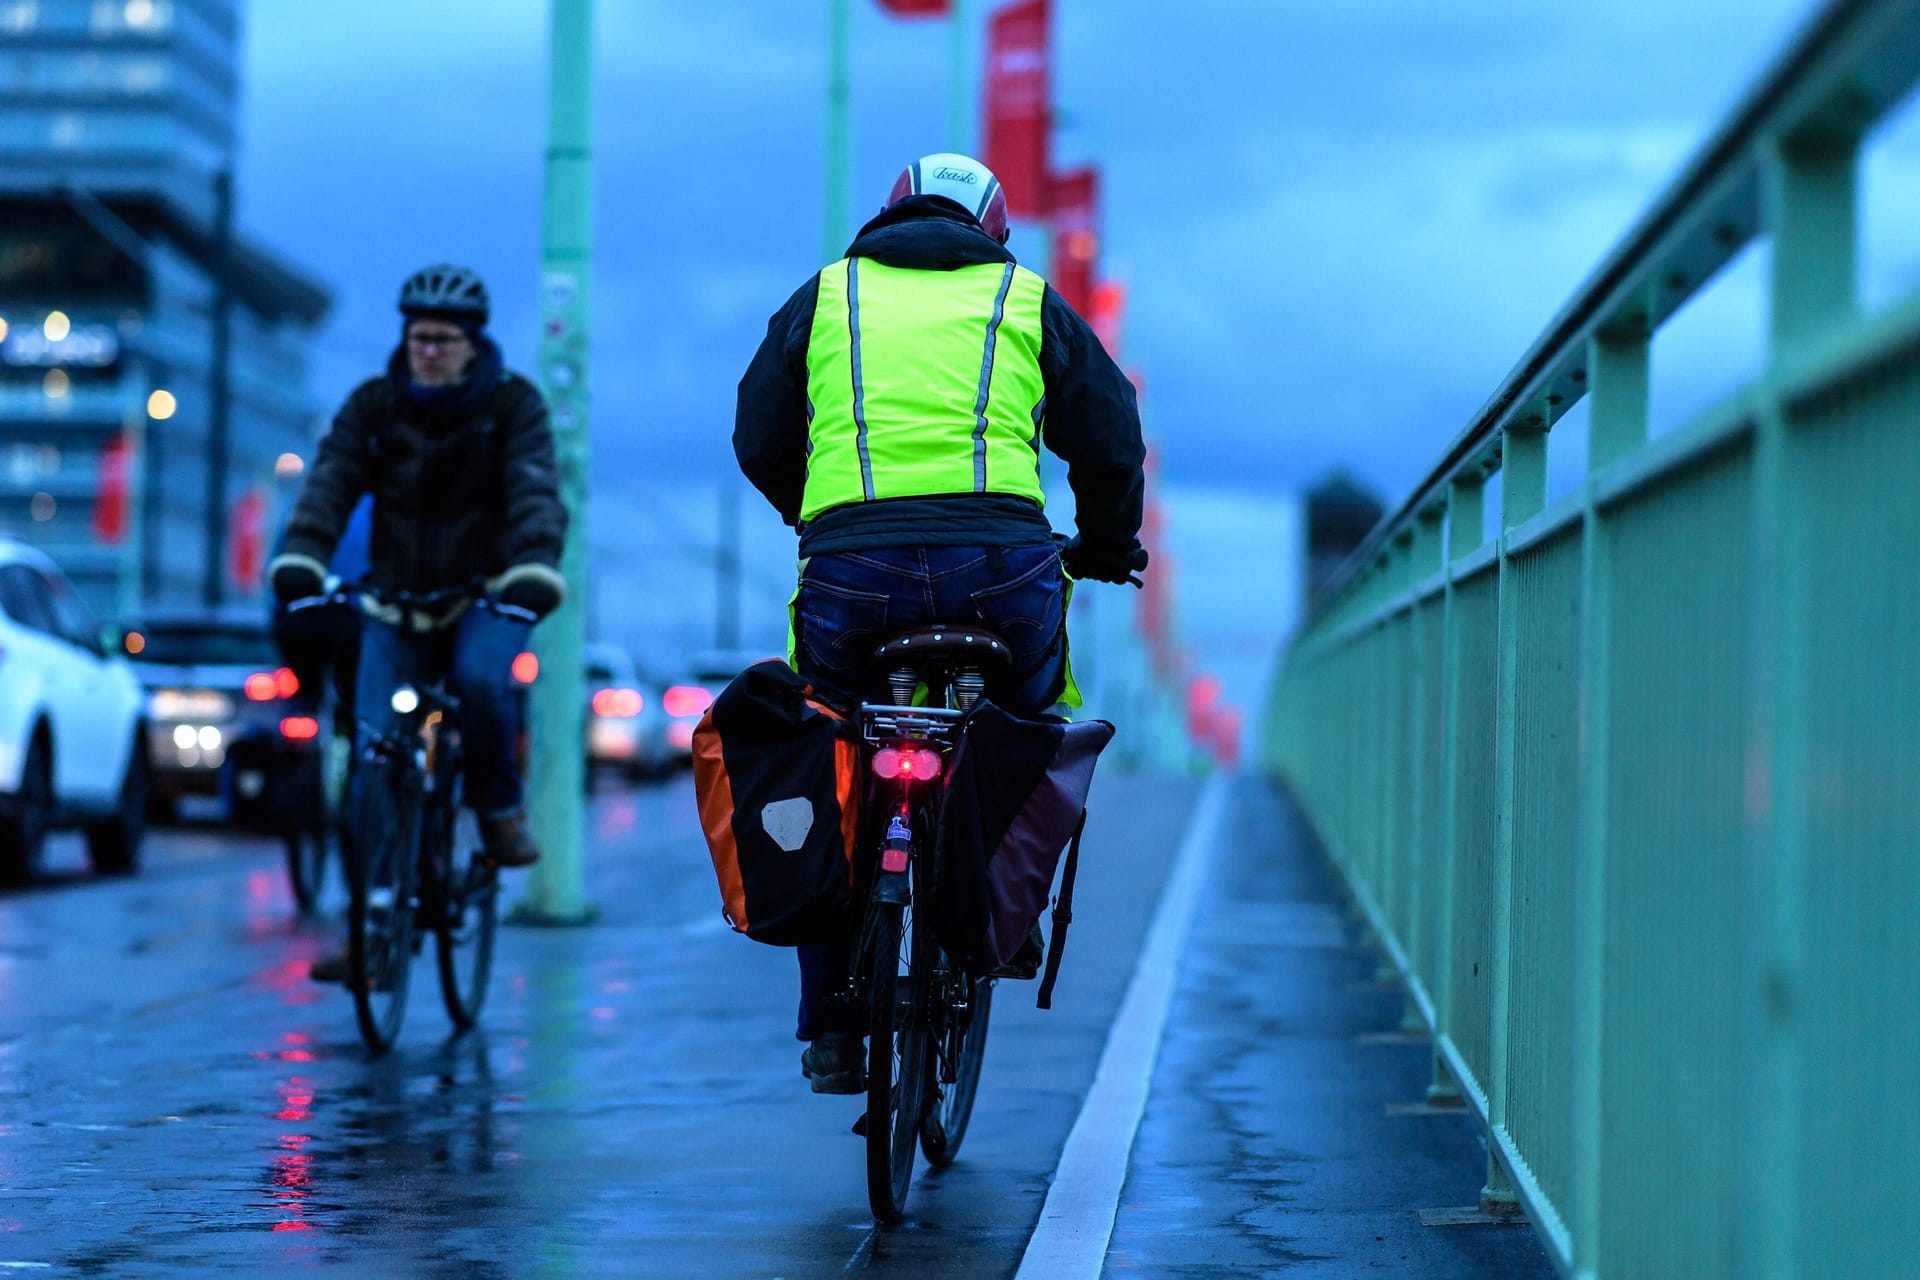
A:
[881,723]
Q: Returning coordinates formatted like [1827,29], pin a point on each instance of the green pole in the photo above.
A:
[556,884]
[839,130]
[959,136]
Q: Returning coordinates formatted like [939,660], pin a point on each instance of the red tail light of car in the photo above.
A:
[686,700]
[617,703]
[299,728]
[265,686]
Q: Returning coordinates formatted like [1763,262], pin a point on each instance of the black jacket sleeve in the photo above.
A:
[536,519]
[770,418]
[340,475]
[1093,425]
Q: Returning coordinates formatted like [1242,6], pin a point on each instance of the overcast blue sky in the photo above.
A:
[1340,224]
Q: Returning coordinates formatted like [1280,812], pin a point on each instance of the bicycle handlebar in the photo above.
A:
[409,602]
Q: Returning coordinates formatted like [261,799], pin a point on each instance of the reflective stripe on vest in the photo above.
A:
[923,383]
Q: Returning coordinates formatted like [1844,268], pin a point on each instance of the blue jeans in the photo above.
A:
[475,658]
[851,601]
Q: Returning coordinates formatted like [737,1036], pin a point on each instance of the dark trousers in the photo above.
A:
[475,657]
[851,601]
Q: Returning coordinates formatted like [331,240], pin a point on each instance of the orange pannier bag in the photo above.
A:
[776,772]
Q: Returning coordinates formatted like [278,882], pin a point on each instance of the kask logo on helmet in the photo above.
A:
[944,174]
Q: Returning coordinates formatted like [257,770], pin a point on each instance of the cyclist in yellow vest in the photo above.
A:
[894,416]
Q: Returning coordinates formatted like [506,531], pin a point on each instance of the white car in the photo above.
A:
[72,748]
[626,729]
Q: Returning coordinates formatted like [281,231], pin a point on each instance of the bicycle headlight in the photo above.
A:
[405,700]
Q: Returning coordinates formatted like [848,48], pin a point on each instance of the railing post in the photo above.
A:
[1523,493]
[1618,381]
[1425,558]
[1466,522]
[1810,207]
[1397,683]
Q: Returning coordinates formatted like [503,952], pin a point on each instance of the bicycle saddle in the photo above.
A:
[965,646]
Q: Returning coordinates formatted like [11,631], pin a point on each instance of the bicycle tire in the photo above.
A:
[951,1106]
[380,915]
[465,925]
[307,864]
[896,1063]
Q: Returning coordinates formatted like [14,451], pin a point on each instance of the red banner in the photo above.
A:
[916,8]
[112,494]
[247,540]
[1107,314]
[1076,236]
[1019,101]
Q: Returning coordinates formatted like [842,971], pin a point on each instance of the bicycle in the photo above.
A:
[412,849]
[927,1015]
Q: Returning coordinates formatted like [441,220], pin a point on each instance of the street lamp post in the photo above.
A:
[839,129]
[556,884]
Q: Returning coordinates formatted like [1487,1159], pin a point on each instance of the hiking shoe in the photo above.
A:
[507,841]
[1025,962]
[330,968]
[836,1063]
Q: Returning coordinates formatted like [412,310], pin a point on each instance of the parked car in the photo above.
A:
[226,720]
[687,699]
[626,727]
[71,724]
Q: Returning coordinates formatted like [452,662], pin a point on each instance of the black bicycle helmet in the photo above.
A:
[445,290]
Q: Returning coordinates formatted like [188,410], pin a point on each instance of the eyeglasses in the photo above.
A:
[440,341]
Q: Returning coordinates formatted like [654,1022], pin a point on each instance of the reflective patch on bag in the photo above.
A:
[787,822]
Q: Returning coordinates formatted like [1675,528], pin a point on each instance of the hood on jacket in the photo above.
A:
[927,233]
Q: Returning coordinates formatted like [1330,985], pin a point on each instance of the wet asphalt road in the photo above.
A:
[176,1096]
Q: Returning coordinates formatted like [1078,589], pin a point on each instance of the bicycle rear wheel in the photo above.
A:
[307,863]
[897,1068]
[380,912]
[465,926]
[963,1049]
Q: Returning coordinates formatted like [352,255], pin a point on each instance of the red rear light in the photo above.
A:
[261,687]
[285,683]
[686,700]
[617,703]
[915,764]
[300,728]
[526,668]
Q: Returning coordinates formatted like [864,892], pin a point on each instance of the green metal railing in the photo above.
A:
[1630,792]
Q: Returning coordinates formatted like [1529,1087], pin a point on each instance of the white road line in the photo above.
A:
[1076,1223]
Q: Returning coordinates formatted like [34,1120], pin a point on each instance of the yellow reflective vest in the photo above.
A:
[923,383]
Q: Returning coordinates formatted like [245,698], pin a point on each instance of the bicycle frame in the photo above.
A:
[898,960]
[414,761]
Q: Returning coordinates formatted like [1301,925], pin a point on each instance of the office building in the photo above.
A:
[123,290]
